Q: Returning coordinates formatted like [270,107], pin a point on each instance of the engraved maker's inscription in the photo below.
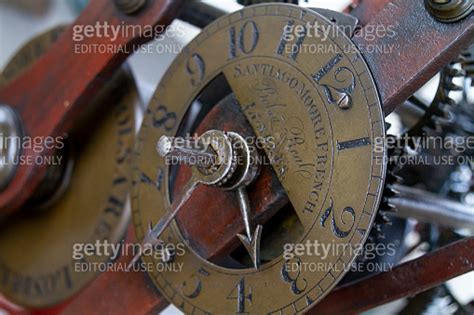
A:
[270,86]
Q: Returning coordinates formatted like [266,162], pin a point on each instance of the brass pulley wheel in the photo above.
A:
[83,199]
[323,112]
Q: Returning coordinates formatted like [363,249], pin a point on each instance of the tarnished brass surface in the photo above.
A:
[324,113]
[37,268]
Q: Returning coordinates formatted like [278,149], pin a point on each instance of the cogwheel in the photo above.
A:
[467,62]
[385,207]
[441,114]
[438,114]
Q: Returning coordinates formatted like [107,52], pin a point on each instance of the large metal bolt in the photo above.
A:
[10,144]
[129,7]
[449,11]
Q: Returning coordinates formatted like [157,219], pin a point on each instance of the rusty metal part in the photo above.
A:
[449,11]
[406,279]
[417,47]
[365,10]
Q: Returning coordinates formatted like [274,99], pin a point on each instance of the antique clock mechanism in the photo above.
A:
[263,169]
[317,116]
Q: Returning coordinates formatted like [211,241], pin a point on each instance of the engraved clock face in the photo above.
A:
[37,267]
[323,111]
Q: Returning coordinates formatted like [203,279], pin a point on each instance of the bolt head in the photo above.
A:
[10,144]
[164,146]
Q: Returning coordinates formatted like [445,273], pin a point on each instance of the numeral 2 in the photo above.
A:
[340,95]
[336,230]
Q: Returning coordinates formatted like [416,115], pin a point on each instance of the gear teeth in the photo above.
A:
[378,229]
[453,72]
[467,61]
[390,191]
[387,207]
[382,218]
[391,179]
[438,115]
[454,87]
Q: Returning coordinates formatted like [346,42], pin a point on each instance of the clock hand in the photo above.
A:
[251,242]
[247,171]
[213,157]
[195,153]
[151,238]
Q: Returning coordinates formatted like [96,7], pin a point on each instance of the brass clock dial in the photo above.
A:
[324,113]
[87,203]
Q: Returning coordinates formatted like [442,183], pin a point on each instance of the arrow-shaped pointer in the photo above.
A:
[251,242]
